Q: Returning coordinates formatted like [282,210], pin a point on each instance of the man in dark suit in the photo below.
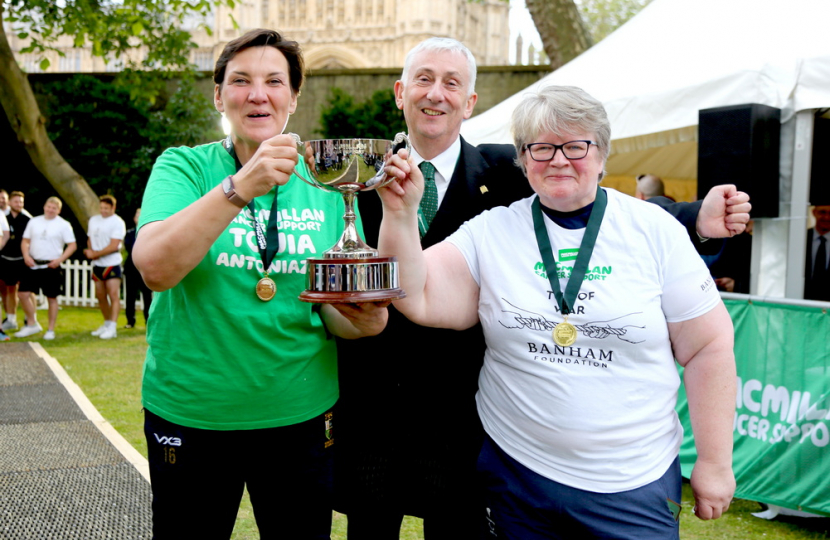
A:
[817,269]
[408,432]
[135,283]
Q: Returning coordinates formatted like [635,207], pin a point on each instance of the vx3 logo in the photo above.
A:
[172,441]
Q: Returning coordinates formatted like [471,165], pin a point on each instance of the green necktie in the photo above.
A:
[429,201]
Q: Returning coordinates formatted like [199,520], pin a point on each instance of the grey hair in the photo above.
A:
[559,110]
[439,44]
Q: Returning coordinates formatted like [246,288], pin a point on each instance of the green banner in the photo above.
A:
[782,407]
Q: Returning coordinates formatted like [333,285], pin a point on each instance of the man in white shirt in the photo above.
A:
[106,233]
[4,228]
[11,258]
[4,202]
[47,241]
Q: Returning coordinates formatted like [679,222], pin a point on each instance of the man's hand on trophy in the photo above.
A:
[272,164]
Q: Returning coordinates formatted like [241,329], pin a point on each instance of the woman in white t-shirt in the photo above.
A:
[586,297]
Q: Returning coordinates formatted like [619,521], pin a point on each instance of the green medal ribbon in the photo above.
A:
[566,301]
[268,240]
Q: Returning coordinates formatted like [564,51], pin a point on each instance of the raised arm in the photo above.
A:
[166,251]
[704,347]
[723,213]
[440,291]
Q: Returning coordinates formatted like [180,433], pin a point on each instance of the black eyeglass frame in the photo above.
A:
[556,147]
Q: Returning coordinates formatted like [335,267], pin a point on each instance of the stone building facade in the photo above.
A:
[338,34]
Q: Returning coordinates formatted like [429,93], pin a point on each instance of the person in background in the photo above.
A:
[817,267]
[4,238]
[240,379]
[731,268]
[135,283]
[586,297]
[47,242]
[648,186]
[11,258]
[106,233]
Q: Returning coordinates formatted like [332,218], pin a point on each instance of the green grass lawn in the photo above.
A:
[109,372]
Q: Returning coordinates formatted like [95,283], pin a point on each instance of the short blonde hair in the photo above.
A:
[56,201]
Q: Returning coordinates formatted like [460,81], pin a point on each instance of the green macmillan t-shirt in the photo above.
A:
[219,357]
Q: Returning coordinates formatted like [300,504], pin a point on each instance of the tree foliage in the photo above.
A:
[377,117]
[113,141]
[155,29]
[604,16]
[561,28]
[111,28]
[570,27]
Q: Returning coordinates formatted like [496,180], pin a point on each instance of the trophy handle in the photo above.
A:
[400,141]
[304,149]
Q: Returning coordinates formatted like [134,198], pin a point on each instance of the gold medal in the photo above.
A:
[266,289]
[564,334]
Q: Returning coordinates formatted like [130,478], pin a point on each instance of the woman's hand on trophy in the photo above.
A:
[271,165]
[403,194]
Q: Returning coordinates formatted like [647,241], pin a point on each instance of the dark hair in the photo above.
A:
[109,199]
[262,37]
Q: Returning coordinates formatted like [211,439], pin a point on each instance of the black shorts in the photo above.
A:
[198,476]
[11,270]
[103,273]
[47,280]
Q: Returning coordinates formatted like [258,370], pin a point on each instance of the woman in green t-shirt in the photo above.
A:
[241,377]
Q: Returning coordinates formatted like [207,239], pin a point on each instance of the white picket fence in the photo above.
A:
[78,289]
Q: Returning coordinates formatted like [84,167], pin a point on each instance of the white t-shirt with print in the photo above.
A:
[102,231]
[598,415]
[48,237]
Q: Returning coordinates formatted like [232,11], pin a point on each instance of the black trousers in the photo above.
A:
[198,477]
[135,285]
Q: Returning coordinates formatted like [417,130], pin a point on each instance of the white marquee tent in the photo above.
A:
[679,56]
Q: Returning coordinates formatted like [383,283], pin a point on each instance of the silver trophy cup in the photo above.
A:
[351,271]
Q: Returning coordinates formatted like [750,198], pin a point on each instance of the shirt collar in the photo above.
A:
[444,162]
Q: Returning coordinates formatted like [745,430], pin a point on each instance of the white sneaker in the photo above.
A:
[100,330]
[49,335]
[108,333]
[9,324]
[29,330]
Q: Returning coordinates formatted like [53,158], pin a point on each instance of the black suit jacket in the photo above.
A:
[818,288]
[407,409]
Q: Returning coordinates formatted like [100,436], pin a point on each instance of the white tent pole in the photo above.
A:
[799,201]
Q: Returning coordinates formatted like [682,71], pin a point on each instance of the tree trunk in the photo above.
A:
[563,32]
[24,116]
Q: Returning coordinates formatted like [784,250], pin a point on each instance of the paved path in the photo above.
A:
[65,473]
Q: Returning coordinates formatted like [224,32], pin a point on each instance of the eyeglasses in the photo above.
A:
[546,151]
